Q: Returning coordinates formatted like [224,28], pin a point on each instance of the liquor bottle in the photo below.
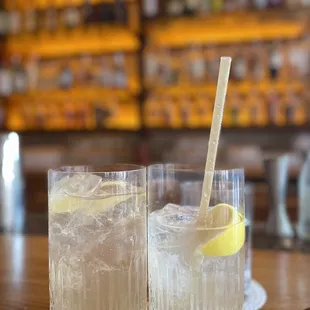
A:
[273,107]
[242,5]
[298,60]
[204,109]
[197,65]
[275,62]
[186,111]
[275,3]
[239,68]
[71,16]
[212,64]
[66,78]
[84,75]
[205,6]
[32,68]
[19,75]
[175,7]
[260,4]
[217,6]
[6,80]
[293,4]
[152,112]
[235,110]
[4,20]
[14,22]
[256,67]
[291,108]
[150,66]
[106,75]
[192,6]
[171,118]
[51,19]
[120,77]
[86,12]
[230,5]
[254,108]
[167,74]
[31,20]
[150,8]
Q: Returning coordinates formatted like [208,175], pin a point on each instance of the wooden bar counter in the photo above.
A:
[24,275]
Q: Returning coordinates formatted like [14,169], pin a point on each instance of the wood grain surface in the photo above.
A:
[24,275]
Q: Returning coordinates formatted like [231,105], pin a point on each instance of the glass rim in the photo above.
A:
[190,168]
[104,169]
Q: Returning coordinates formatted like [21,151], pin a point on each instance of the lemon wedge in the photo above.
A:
[228,228]
[109,195]
[89,206]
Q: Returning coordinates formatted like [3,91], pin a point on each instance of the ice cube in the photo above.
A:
[175,215]
[82,185]
[117,188]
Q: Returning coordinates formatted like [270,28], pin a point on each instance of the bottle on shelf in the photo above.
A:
[275,3]
[31,20]
[170,112]
[291,104]
[120,76]
[51,21]
[275,61]
[217,6]
[86,10]
[235,109]
[260,4]
[84,70]
[4,20]
[175,7]
[197,65]
[150,8]
[239,68]
[192,6]
[107,75]
[32,69]
[212,63]
[19,74]
[298,60]
[205,6]
[230,5]
[152,112]
[15,21]
[186,111]
[274,108]
[204,108]
[6,80]
[71,16]
[150,66]
[66,77]
[257,63]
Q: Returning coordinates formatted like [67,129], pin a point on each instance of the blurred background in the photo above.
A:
[105,81]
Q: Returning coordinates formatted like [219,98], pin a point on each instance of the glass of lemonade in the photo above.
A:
[97,238]
[195,264]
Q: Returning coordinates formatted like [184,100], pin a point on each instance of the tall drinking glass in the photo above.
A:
[249,202]
[195,264]
[97,238]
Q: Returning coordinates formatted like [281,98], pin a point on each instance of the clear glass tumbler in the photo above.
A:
[97,238]
[195,264]
[249,206]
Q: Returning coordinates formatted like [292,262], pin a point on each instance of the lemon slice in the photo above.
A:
[230,235]
[106,198]
[89,206]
